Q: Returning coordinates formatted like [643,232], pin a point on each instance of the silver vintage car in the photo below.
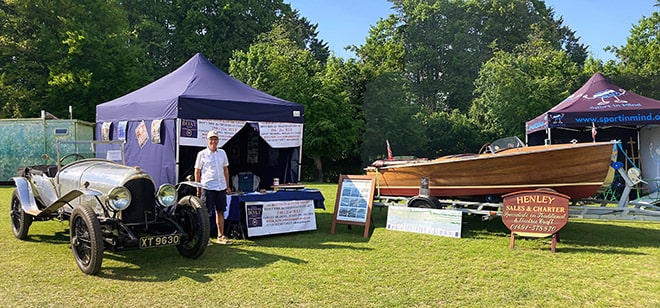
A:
[108,206]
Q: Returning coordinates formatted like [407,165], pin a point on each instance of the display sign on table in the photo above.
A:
[274,217]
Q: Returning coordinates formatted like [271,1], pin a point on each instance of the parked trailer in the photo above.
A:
[486,210]
[24,141]
[645,208]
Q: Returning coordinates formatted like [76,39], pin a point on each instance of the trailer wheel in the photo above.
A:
[424,202]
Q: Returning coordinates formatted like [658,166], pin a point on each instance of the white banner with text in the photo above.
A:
[274,217]
[423,220]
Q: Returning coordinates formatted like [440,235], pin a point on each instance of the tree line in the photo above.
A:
[437,77]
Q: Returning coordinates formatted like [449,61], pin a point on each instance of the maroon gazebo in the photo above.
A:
[598,103]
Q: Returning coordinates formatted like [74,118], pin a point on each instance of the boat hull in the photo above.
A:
[576,170]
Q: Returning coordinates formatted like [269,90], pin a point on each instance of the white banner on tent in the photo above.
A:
[225,128]
[276,134]
[281,135]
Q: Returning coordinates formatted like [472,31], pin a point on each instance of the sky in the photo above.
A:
[598,23]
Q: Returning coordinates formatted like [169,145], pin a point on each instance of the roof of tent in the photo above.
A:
[199,90]
[602,103]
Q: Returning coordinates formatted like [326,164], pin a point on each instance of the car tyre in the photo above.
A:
[193,218]
[20,221]
[86,240]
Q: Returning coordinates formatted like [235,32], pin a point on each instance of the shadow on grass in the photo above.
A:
[603,234]
[59,237]
[165,263]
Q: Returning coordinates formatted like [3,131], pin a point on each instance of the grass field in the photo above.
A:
[597,263]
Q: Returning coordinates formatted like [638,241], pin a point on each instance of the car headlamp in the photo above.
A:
[166,195]
[119,198]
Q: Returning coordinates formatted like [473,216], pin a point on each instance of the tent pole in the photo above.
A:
[300,154]
[549,135]
[176,148]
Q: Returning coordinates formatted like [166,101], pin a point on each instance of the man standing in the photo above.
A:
[211,169]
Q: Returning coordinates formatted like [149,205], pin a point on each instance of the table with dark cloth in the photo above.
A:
[235,216]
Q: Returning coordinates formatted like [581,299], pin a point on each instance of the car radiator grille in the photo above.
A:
[143,204]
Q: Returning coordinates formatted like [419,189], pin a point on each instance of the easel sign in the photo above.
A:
[355,195]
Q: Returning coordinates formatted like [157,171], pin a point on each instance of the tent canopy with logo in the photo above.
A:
[598,103]
[164,124]
[603,111]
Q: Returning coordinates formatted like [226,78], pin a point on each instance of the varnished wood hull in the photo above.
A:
[576,170]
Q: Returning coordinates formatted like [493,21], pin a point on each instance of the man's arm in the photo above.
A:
[226,170]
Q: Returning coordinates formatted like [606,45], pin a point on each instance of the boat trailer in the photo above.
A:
[646,208]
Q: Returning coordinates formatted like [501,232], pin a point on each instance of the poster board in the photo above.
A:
[355,195]
[438,222]
[275,217]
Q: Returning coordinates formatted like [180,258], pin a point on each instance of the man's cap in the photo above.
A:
[212,134]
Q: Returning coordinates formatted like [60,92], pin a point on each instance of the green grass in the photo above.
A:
[597,263]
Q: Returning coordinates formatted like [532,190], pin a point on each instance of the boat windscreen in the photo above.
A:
[506,143]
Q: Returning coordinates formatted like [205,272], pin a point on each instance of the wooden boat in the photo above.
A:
[577,170]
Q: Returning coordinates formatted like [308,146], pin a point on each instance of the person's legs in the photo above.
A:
[221,207]
[208,198]
[220,201]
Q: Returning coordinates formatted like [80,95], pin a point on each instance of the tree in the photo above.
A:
[304,33]
[217,28]
[513,88]
[389,115]
[64,53]
[277,65]
[447,41]
[640,57]
[450,133]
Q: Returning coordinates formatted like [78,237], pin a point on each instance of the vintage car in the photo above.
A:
[108,206]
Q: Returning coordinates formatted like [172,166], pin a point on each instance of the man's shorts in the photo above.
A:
[215,200]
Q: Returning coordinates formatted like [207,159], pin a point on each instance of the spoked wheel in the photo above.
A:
[20,221]
[193,217]
[86,240]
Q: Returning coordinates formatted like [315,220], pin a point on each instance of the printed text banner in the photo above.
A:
[274,217]
[276,134]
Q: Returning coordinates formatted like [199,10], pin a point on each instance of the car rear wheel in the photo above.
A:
[193,218]
[20,221]
[86,240]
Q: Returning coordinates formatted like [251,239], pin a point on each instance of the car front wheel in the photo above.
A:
[193,218]
[86,240]
[20,221]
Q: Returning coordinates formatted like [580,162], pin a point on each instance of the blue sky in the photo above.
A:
[598,23]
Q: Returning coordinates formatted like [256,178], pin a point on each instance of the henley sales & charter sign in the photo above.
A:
[535,213]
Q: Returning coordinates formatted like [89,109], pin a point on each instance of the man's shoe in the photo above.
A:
[223,240]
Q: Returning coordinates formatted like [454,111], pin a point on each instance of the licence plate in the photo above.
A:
[161,240]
